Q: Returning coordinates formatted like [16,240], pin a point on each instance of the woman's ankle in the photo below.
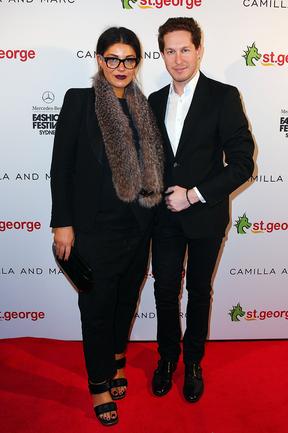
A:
[119,355]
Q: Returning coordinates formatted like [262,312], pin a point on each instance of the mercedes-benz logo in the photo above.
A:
[48,97]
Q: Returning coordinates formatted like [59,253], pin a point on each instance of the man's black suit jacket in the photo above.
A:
[78,164]
[214,126]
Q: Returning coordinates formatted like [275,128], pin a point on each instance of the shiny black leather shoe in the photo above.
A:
[162,379]
[193,382]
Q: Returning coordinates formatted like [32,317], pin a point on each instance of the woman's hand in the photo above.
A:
[63,240]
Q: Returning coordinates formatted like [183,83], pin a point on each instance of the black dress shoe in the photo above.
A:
[193,382]
[162,379]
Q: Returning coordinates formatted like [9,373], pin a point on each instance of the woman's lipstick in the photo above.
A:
[121,77]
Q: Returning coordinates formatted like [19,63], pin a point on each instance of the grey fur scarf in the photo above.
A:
[134,178]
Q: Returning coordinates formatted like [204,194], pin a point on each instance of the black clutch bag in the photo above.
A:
[76,270]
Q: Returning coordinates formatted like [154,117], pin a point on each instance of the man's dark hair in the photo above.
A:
[180,23]
[115,35]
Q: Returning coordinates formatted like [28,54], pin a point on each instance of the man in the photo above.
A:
[208,150]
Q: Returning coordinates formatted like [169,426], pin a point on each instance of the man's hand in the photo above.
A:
[176,199]
[63,240]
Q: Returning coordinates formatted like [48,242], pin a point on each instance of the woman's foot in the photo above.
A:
[118,385]
[105,409]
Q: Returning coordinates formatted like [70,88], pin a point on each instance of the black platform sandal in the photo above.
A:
[105,407]
[121,381]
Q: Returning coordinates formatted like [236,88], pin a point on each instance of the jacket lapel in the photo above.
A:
[163,99]
[93,130]
[195,112]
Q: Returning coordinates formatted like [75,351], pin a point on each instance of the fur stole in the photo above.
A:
[135,177]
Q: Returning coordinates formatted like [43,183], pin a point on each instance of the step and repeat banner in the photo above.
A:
[48,46]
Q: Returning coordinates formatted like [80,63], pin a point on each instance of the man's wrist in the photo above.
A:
[187,197]
[191,196]
[199,195]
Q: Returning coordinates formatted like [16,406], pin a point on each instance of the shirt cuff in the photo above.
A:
[199,195]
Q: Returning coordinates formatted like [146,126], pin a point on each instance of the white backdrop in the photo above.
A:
[47,47]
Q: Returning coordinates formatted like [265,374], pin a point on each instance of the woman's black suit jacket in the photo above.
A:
[215,125]
[78,164]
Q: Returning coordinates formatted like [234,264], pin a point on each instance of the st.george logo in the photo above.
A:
[126,4]
[235,312]
[251,54]
[241,224]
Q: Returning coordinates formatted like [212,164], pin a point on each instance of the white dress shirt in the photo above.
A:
[176,112]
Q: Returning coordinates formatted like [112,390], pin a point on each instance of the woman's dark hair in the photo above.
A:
[180,23]
[115,35]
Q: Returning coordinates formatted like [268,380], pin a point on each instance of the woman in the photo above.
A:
[106,177]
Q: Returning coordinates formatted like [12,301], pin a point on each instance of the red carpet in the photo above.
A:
[43,390]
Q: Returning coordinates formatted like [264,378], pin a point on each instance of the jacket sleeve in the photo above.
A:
[238,146]
[63,159]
